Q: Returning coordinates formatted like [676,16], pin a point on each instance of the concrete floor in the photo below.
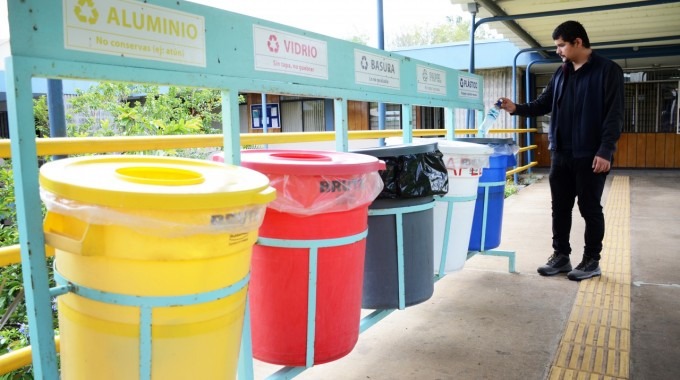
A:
[485,323]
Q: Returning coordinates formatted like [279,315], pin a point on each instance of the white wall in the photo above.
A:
[4,52]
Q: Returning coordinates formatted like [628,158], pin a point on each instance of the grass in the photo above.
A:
[523,180]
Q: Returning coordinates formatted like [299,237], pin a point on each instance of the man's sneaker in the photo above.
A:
[557,263]
[586,269]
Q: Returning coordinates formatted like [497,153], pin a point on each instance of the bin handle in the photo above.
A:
[62,241]
[265,196]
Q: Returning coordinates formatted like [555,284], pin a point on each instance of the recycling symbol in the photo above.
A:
[86,12]
[364,63]
[424,75]
[273,44]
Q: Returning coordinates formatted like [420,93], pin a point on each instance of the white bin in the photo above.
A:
[464,163]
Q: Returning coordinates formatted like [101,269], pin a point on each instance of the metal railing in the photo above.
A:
[89,145]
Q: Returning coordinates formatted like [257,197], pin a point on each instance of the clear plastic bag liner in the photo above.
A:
[504,149]
[313,195]
[164,223]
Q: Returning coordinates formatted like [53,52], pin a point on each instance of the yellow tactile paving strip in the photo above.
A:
[596,342]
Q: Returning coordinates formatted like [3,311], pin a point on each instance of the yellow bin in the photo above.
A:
[155,230]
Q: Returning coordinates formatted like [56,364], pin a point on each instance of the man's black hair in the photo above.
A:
[569,31]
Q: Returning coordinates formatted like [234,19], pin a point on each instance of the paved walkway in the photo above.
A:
[486,323]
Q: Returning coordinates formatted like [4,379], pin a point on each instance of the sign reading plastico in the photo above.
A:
[134,29]
[431,81]
[288,53]
[468,87]
[376,70]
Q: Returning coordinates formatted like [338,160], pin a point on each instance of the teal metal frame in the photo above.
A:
[313,246]
[146,304]
[39,33]
[450,201]
[246,371]
[398,213]
[493,252]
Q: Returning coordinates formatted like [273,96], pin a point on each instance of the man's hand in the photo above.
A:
[600,165]
[507,105]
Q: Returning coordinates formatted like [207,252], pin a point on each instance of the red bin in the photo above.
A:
[320,195]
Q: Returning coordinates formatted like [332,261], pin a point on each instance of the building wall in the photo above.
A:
[650,137]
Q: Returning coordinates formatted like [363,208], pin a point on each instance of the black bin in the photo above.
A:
[414,174]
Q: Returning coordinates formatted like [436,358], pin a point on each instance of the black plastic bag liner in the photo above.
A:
[412,170]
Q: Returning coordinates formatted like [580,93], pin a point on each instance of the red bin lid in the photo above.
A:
[309,162]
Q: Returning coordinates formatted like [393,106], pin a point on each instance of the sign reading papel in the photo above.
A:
[431,81]
[288,53]
[134,29]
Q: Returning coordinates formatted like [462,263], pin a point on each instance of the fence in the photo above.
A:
[197,47]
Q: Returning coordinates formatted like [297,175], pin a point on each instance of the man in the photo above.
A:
[586,98]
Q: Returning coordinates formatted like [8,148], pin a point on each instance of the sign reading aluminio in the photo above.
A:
[287,53]
[431,81]
[134,29]
[376,70]
[468,87]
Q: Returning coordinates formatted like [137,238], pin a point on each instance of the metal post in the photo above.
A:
[264,113]
[55,109]
[381,46]
[341,135]
[449,123]
[230,127]
[29,215]
[473,9]
[407,123]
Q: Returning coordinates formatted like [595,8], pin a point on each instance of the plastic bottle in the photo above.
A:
[489,119]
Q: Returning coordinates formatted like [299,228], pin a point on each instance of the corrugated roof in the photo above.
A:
[646,34]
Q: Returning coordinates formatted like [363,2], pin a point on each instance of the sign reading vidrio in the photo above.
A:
[376,70]
[431,81]
[468,87]
[288,53]
[134,29]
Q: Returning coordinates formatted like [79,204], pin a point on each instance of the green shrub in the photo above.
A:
[106,109]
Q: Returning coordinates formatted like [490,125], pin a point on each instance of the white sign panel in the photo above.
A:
[431,81]
[376,70]
[468,87]
[287,53]
[134,29]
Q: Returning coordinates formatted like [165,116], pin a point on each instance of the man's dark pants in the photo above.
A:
[571,179]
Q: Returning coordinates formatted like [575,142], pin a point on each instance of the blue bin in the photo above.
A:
[502,158]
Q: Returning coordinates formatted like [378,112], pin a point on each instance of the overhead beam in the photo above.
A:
[561,12]
[497,11]
[508,20]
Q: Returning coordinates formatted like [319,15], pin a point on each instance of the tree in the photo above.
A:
[454,30]
[128,109]
[106,109]
[361,39]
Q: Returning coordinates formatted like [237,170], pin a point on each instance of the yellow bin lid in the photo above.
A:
[156,183]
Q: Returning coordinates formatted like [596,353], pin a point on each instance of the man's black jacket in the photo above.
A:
[599,115]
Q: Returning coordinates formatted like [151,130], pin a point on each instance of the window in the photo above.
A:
[651,107]
[302,114]
[432,118]
[392,116]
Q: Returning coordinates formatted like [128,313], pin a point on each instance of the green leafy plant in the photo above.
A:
[41,116]
[510,188]
[125,109]
[13,318]
[107,109]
